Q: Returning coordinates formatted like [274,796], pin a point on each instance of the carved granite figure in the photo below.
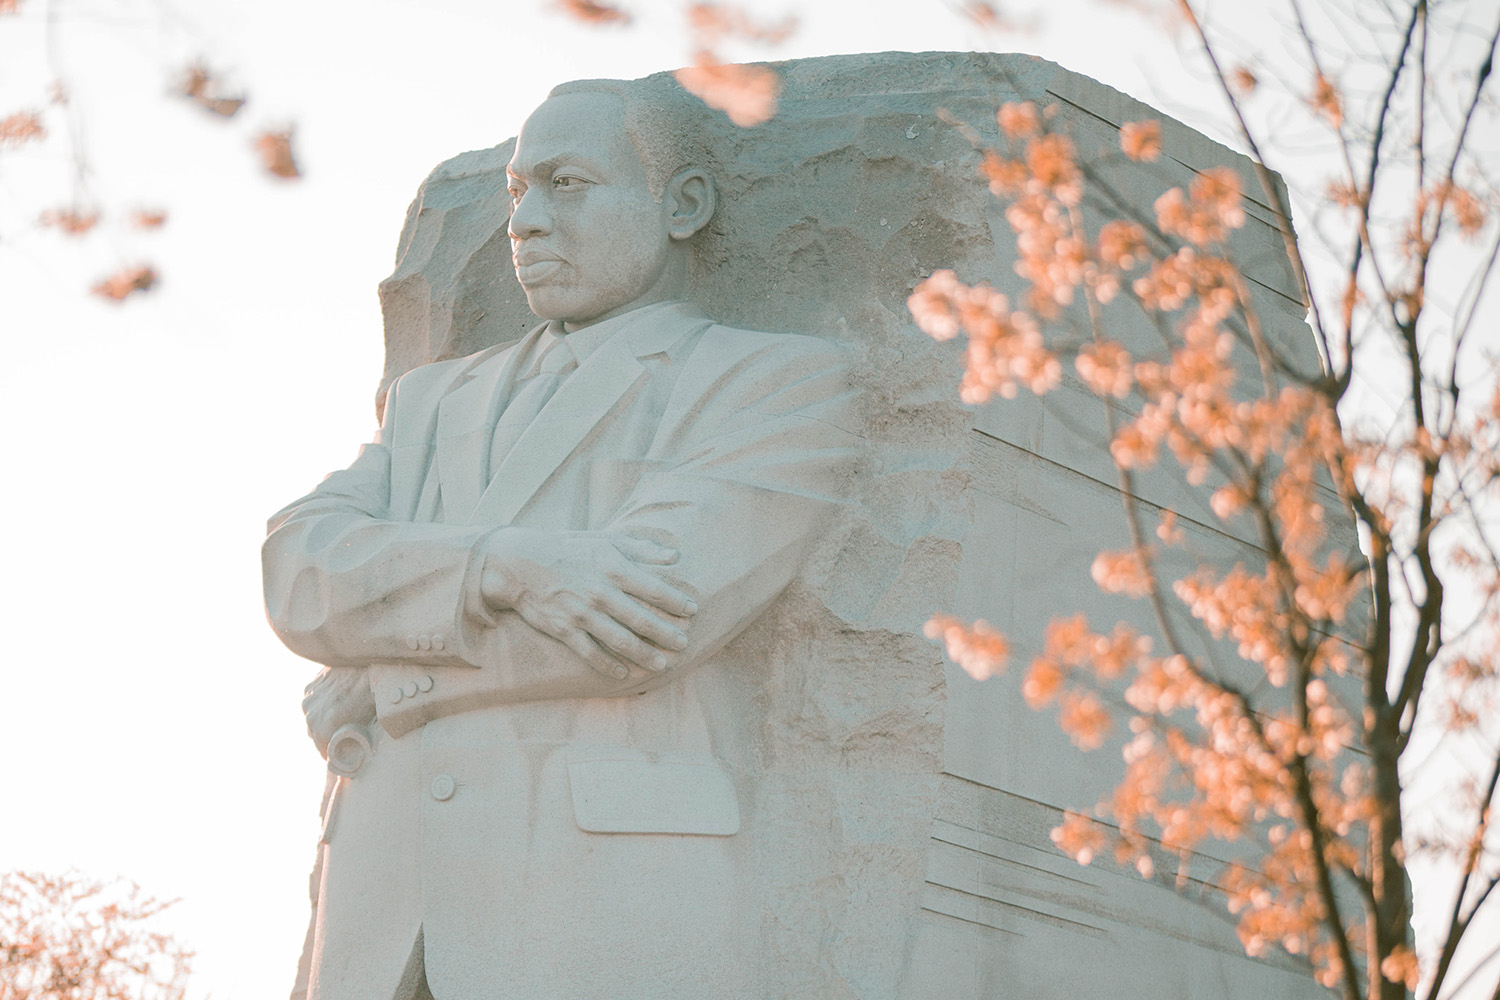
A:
[525,592]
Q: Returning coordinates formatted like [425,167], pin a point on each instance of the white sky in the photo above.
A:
[149,719]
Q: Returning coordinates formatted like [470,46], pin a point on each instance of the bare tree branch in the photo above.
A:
[1458,923]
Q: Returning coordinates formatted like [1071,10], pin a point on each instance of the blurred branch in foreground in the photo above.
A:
[746,92]
[66,937]
[45,142]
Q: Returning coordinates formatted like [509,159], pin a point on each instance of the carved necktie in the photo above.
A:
[529,395]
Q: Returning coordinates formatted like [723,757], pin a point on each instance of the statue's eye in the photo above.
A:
[564,182]
[515,193]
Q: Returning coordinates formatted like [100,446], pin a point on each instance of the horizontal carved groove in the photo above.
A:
[944,917]
[979,905]
[1000,861]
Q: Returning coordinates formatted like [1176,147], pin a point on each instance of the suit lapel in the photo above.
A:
[466,421]
[580,403]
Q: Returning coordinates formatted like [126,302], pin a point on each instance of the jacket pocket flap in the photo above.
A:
[623,792]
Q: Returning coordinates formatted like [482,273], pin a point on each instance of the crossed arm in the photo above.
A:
[745,478]
[593,592]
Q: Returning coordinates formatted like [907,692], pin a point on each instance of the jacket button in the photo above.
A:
[437,642]
[410,689]
[411,643]
[395,695]
[424,641]
[424,683]
[443,787]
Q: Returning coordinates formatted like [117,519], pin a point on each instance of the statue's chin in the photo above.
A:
[556,308]
[546,303]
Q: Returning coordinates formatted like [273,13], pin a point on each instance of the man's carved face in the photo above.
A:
[588,239]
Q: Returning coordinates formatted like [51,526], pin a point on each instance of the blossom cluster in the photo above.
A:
[1005,348]
[747,93]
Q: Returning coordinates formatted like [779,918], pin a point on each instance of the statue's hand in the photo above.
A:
[592,591]
[337,697]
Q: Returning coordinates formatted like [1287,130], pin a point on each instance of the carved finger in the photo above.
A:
[640,584]
[643,622]
[592,654]
[627,644]
[559,619]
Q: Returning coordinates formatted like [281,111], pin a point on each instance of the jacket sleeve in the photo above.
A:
[747,468]
[346,584]
[759,467]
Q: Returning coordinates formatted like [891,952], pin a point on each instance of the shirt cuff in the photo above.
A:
[473,592]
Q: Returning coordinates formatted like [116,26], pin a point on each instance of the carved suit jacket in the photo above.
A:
[548,830]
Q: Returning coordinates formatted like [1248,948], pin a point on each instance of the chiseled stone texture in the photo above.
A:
[831,213]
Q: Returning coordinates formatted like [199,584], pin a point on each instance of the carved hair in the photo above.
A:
[667,126]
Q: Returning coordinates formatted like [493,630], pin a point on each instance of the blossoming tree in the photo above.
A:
[1300,742]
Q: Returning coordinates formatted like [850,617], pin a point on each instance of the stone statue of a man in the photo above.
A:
[527,592]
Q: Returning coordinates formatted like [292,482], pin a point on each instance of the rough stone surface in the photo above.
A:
[947,884]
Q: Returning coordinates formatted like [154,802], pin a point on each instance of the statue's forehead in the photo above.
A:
[585,123]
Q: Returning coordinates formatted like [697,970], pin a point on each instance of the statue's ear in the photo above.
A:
[691,198]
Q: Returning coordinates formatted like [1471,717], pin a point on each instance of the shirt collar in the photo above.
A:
[587,340]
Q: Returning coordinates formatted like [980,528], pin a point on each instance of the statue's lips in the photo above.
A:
[532,270]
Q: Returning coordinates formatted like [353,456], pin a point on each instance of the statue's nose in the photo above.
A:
[528,217]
